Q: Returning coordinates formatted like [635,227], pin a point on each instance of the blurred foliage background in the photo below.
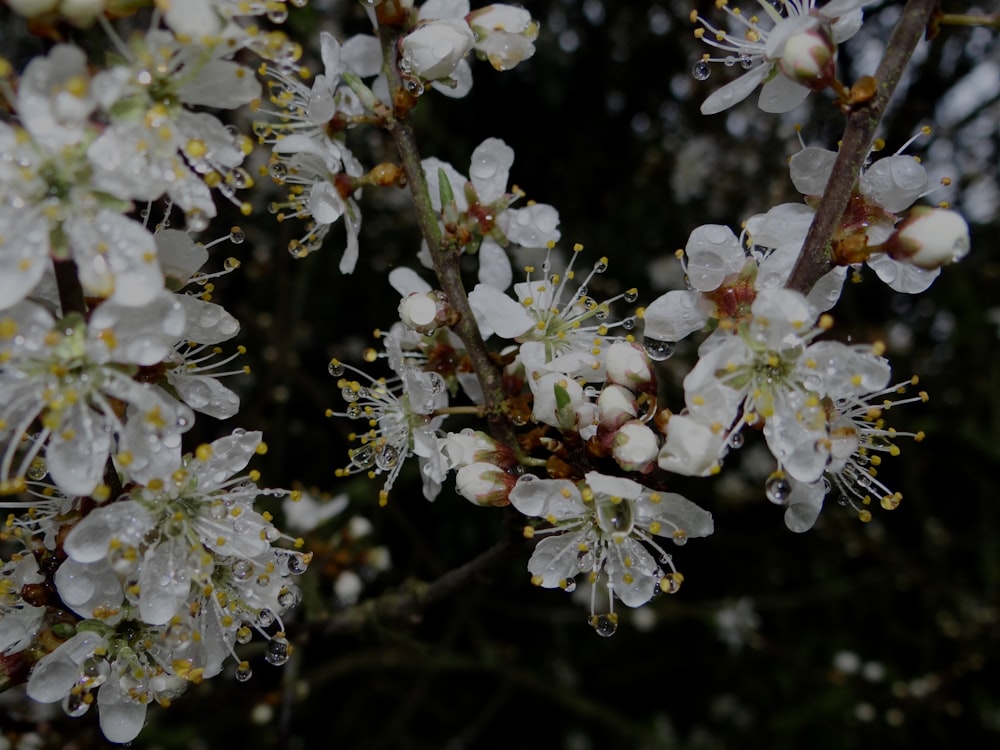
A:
[853,635]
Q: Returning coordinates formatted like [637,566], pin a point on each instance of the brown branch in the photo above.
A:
[446,259]
[407,602]
[816,258]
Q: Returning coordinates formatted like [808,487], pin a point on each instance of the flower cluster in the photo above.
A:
[132,569]
[135,565]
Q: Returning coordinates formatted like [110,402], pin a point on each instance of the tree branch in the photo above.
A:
[816,258]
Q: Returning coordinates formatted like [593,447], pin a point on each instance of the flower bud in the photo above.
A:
[484,484]
[629,365]
[425,312]
[809,55]
[634,446]
[504,34]
[433,50]
[615,406]
[930,238]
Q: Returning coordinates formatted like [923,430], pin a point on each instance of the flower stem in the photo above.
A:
[446,259]
[816,258]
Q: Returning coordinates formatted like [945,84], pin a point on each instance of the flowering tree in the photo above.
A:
[589,425]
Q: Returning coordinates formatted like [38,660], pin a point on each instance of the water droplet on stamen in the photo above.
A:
[701,70]
[604,625]
[777,488]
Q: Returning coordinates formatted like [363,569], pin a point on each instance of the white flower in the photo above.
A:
[604,527]
[886,188]
[320,174]
[561,329]
[155,145]
[761,44]
[726,273]
[170,534]
[485,209]
[768,372]
[400,413]
[505,34]
[21,619]
[70,375]
[433,50]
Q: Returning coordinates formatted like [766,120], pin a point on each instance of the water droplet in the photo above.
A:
[631,295]
[278,15]
[657,350]
[75,704]
[570,586]
[244,674]
[237,236]
[746,62]
[244,635]
[730,61]
[242,570]
[604,625]
[197,221]
[278,170]
[277,651]
[777,488]
[701,71]
[336,369]
[94,671]
[265,618]
[600,266]
[296,564]
[37,470]
[289,597]
[736,440]
[628,324]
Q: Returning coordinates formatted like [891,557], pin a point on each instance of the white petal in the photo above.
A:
[674,315]
[207,322]
[781,94]
[489,169]
[804,506]
[555,559]
[406,281]
[121,718]
[497,313]
[494,265]
[735,91]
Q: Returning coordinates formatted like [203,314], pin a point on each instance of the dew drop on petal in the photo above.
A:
[657,350]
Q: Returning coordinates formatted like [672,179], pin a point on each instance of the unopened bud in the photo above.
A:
[629,365]
[930,238]
[807,55]
[635,447]
[425,312]
[484,484]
